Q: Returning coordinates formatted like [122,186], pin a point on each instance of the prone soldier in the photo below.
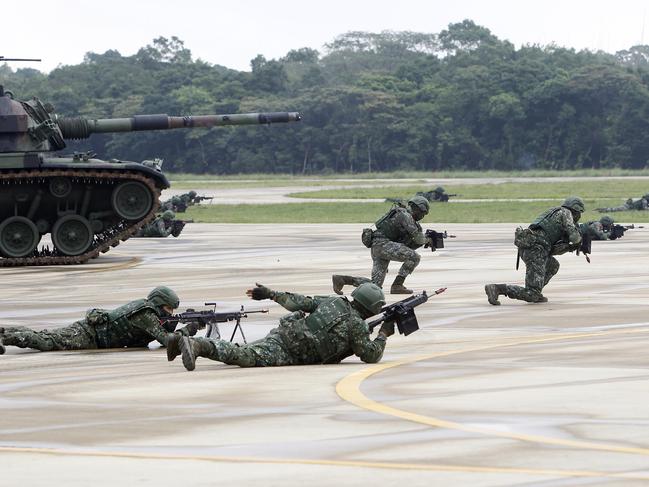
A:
[162,226]
[437,194]
[639,204]
[134,324]
[601,229]
[554,232]
[319,330]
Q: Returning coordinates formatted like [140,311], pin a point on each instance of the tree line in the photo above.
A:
[460,99]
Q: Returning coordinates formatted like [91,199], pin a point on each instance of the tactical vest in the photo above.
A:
[553,231]
[327,315]
[104,320]
[388,226]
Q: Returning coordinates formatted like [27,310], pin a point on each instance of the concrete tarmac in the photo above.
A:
[520,394]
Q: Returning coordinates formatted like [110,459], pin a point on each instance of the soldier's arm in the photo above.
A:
[369,351]
[597,230]
[295,302]
[415,235]
[148,321]
[569,226]
[162,228]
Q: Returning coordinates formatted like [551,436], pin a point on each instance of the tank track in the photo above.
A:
[110,237]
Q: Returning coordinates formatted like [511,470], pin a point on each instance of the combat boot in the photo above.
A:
[192,348]
[340,281]
[398,287]
[173,346]
[493,291]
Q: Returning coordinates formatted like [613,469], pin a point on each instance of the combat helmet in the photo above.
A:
[574,203]
[192,194]
[168,215]
[439,189]
[606,220]
[421,203]
[369,296]
[163,296]
[646,196]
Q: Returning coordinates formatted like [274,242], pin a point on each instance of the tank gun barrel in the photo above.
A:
[81,128]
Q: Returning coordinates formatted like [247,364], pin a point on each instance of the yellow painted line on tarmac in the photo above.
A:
[349,390]
[321,462]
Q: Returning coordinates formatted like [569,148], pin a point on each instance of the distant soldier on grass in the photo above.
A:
[554,232]
[630,205]
[397,235]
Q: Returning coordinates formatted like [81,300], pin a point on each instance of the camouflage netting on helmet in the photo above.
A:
[369,296]
[168,215]
[574,203]
[606,220]
[420,202]
[163,296]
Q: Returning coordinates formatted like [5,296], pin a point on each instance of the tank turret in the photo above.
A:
[85,205]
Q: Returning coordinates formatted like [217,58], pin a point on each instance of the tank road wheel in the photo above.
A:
[72,235]
[60,187]
[18,237]
[132,200]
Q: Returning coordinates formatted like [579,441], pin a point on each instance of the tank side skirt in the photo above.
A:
[104,246]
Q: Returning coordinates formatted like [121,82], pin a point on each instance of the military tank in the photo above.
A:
[86,205]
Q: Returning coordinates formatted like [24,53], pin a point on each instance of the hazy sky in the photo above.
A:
[233,33]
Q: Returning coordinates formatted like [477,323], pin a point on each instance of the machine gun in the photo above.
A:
[618,230]
[436,239]
[403,313]
[198,199]
[444,197]
[210,319]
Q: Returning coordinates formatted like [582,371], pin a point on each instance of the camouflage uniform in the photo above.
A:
[157,228]
[134,324]
[396,236]
[554,232]
[595,230]
[322,329]
[630,205]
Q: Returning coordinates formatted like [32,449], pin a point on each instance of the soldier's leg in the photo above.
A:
[551,268]
[77,336]
[266,352]
[339,281]
[379,265]
[535,259]
[401,253]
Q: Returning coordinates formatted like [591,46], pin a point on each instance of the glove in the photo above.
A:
[387,328]
[190,329]
[431,244]
[260,292]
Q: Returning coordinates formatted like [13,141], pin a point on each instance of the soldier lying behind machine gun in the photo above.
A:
[209,319]
[403,313]
[435,240]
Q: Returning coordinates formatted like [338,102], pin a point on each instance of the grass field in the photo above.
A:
[486,212]
[613,190]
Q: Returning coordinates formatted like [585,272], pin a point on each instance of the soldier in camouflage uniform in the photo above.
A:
[598,230]
[554,232]
[438,194]
[319,330]
[135,324]
[175,203]
[397,235]
[162,226]
[640,205]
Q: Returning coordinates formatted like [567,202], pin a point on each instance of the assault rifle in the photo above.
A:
[210,319]
[198,199]
[618,230]
[585,246]
[403,313]
[436,239]
[445,196]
